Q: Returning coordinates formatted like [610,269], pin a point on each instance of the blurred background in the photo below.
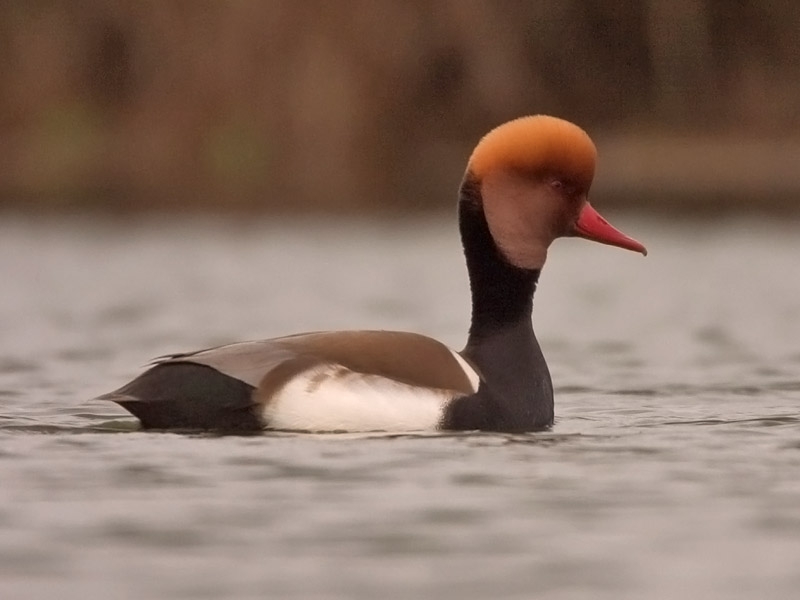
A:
[281,105]
[673,467]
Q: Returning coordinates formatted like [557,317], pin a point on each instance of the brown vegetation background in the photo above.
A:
[353,104]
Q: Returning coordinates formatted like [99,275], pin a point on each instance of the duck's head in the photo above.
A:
[534,175]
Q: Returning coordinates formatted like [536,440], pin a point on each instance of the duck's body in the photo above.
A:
[509,211]
[325,381]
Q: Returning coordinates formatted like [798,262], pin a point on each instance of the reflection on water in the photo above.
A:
[673,467]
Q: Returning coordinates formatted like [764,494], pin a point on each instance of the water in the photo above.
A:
[673,469]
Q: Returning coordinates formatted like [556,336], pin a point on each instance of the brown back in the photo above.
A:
[405,357]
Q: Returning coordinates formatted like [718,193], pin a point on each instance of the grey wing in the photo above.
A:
[246,361]
[408,358]
[210,389]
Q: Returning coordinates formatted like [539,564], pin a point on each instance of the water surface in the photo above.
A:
[673,468]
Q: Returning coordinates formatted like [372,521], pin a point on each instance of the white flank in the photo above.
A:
[472,375]
[332,398]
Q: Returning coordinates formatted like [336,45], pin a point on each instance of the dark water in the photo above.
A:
[673,469]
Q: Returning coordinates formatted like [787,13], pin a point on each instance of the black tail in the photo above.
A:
[183,395]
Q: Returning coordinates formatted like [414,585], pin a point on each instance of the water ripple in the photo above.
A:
[674,449]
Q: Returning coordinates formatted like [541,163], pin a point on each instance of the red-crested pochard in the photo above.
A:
[526,184]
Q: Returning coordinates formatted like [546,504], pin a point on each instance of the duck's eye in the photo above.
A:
[557,184]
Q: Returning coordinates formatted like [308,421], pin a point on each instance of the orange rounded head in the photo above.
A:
[534,175]
[537,145]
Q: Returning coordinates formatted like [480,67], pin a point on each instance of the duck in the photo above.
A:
[526,184]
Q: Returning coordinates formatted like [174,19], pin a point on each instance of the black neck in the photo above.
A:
[518,393]
[502,294]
